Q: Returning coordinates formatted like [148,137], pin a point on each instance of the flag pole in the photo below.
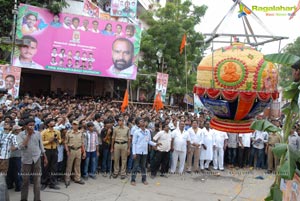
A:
[185,63]
[130,92]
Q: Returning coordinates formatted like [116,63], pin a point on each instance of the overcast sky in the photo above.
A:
[277,25]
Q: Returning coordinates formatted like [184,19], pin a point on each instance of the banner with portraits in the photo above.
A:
[10,79]
[123,8]
[188,99]
[197,104]
[161,85]
[90,8]
[76,44]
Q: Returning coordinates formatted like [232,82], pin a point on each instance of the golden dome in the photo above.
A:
[237,67]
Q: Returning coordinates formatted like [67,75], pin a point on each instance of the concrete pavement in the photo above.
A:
[239,185]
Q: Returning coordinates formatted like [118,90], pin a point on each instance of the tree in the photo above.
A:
[167,27]
[289,158]
[285,72]
[6,17]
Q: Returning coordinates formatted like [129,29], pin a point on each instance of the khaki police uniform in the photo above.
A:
[74,141]
[273,161]
[121,136]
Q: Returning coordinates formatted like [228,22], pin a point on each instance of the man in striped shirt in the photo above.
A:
[8,143]
[92,151]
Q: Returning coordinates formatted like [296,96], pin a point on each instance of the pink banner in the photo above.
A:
[76,44]
[10,79]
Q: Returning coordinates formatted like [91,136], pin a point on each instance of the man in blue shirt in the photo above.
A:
[141,139]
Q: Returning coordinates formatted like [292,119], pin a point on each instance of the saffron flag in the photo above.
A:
[158,104]
[295,11]
[125,101]
[183,41]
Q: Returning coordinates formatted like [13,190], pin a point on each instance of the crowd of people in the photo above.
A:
[51,140]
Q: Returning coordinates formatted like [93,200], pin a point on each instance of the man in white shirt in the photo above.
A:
[95,27]
[85,25]
[244,149]
[221,144]
[67,22]
[258,138]
[162,154]
[195,135]
[122,56]
[27,53]
[207,146]
[10,81]
[75,23]
[98,125]
[180,141]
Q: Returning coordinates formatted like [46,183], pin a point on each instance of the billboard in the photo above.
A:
[10,79]
[76,44]
[188,98]
[90,8]
[123,8]
[197,104]
[161,85]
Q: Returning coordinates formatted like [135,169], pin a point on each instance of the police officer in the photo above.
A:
[273,139]
[121,147]
[74,145]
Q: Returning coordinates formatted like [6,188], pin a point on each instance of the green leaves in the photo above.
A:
[288,157]
[287,170]
[280,149]
[291,91]
[275,194]
[56,7]
[286,60]
[283,59]
[264,125]
[165,34]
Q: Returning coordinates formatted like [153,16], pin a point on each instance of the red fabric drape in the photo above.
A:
[245,105]
[275,95]
[231,126]
[200,91]
[233,95]
[247,95]
[263,96]
[230,95]
[213,93]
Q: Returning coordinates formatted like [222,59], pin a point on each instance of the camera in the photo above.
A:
[55,138]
